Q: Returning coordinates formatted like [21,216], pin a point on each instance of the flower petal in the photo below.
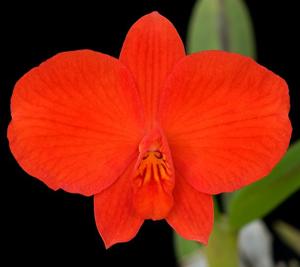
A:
[226,120]
[75,121]
[192,215]
[115,215]
[150,50]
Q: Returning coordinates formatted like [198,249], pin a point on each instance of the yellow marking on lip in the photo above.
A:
[154,166]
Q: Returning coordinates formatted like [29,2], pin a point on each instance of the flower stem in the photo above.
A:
[222,249]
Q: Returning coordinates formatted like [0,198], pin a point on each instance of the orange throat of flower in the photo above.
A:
[153,180]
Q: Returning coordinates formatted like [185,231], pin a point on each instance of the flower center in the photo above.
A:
[153,179]
[153,166]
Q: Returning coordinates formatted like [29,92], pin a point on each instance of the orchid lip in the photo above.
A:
[153,178]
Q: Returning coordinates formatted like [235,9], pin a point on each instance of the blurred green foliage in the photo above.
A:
[260,198]
[222,25]
[289,235]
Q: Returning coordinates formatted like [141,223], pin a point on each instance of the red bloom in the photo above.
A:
[152,135]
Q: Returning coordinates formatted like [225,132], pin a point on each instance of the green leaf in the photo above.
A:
[184,248]
[222,248]
[258,199]
[289,235]
[223,25]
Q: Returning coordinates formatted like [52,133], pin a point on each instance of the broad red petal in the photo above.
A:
[151,49]
[76,121]
[115,215]
[192,215]
[226,120]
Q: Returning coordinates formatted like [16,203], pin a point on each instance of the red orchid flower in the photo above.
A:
[153,134]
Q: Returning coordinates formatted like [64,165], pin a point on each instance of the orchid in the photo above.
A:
[153,134]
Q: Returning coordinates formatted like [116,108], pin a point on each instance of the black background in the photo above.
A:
[41,225]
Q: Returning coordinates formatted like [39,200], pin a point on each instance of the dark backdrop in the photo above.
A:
[41,225]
